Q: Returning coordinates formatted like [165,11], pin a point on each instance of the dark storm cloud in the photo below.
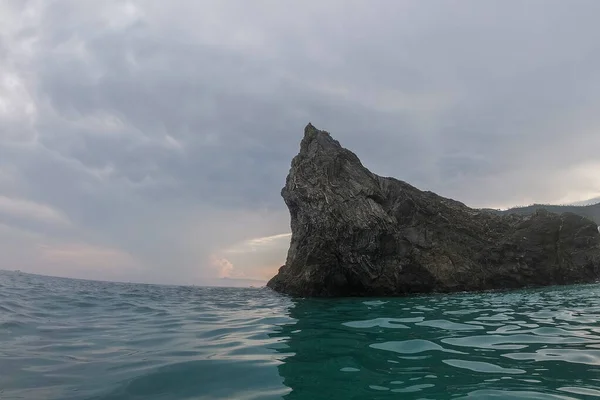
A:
[163,132]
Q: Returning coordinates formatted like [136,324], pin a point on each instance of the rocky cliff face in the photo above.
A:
[358,234]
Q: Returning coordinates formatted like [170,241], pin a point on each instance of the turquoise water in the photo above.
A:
[70,339]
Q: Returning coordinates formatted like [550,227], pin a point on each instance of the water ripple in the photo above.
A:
[412,346]
[68,339]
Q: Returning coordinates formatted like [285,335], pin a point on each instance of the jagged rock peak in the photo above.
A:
[321,140]
[358,234]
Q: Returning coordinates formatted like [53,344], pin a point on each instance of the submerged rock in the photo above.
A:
[355,233]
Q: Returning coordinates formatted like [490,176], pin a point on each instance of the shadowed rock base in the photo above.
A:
[358,234]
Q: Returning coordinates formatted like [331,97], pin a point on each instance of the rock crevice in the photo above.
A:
[358,234]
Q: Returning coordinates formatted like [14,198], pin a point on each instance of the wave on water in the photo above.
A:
[74,339]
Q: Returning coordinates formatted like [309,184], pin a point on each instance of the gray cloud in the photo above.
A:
[163,132]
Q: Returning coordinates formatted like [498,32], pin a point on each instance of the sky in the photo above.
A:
[149,140]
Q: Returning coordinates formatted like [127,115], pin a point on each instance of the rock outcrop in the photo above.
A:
[358,234]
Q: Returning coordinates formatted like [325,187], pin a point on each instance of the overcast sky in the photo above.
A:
[149,140]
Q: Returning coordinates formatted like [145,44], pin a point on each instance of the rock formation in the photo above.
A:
[358,234]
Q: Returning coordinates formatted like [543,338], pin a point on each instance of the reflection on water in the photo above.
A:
[532,344]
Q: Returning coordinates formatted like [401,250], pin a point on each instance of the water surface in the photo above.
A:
[72,339]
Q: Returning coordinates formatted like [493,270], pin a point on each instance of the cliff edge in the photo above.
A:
[355,233]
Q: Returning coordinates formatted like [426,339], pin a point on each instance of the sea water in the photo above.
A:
[74,339]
